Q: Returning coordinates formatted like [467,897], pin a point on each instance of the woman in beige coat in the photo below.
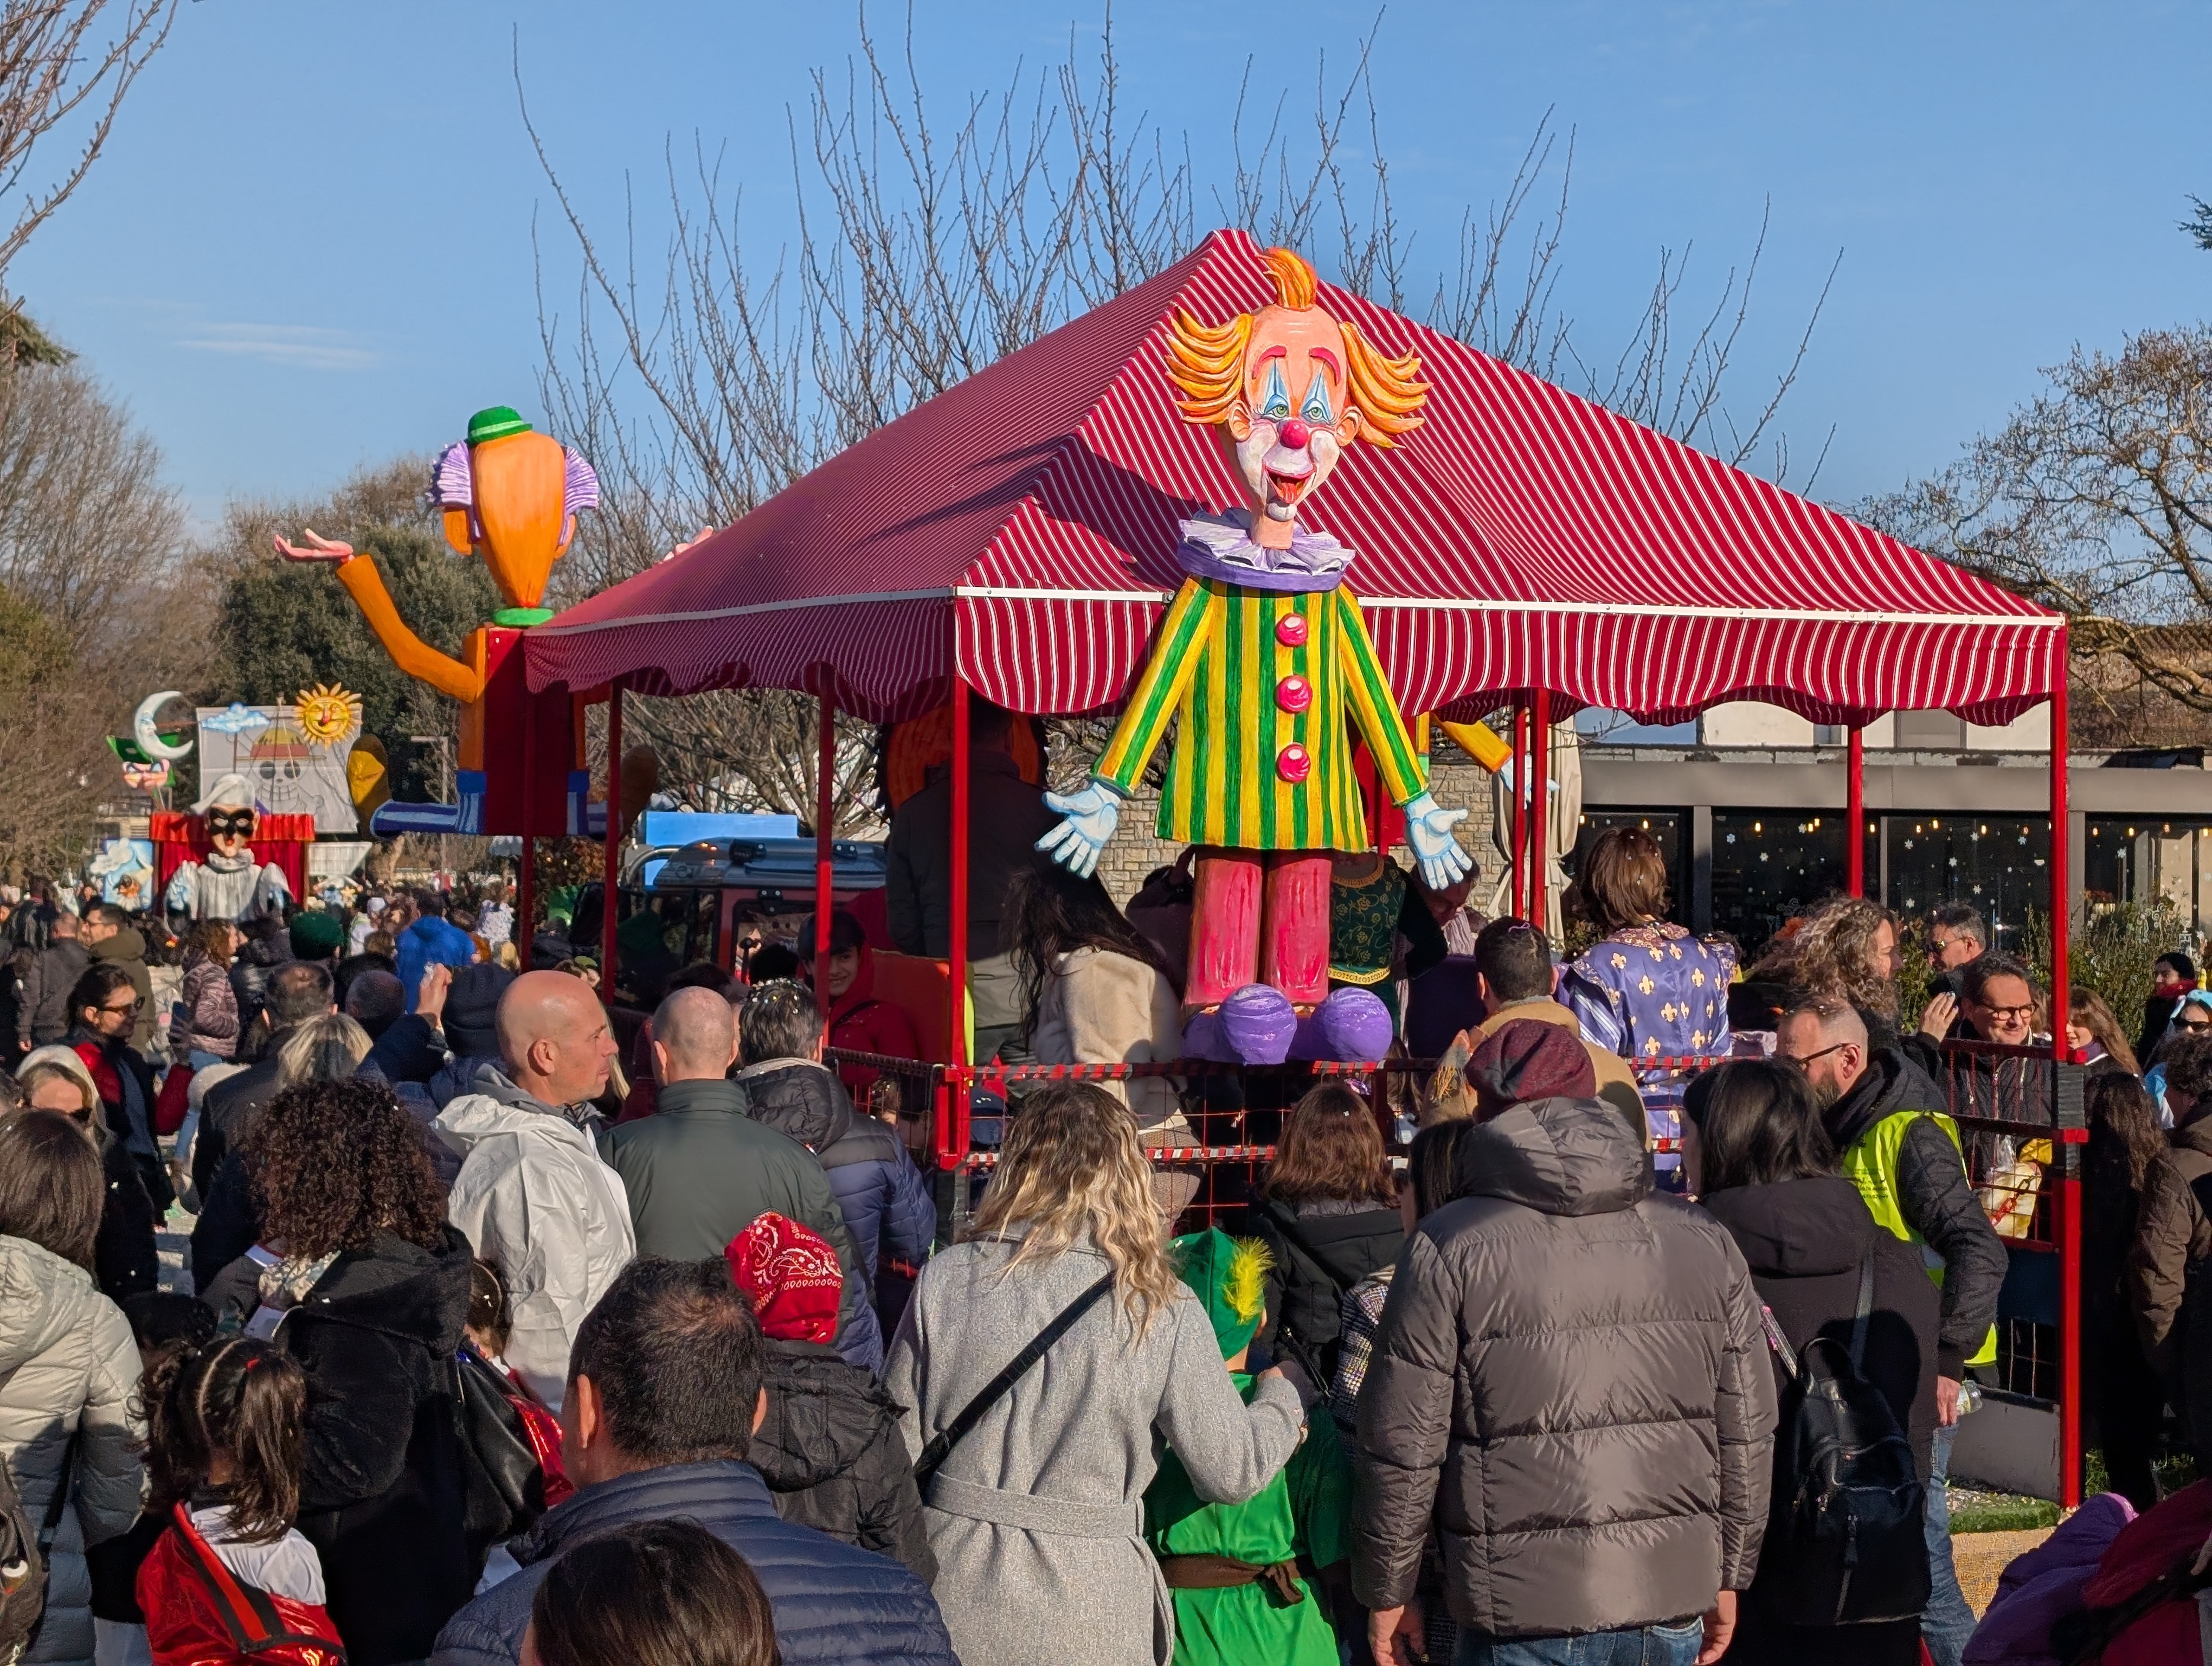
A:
[1036,1517]
[67,1365]
[1095,992]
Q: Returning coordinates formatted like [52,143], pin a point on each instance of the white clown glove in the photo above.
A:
[1092,816]
[1428,831]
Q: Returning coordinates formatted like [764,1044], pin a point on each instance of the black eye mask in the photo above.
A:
[240,822]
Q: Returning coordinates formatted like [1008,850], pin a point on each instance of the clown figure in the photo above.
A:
[229,884]
[1265,664]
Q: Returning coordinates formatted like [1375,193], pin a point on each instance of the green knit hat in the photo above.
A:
[496,423]
[316,935]
[1229,1275]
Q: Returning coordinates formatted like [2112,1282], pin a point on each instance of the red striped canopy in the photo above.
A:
[1021,527]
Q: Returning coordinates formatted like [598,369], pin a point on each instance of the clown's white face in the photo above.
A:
[1291,422]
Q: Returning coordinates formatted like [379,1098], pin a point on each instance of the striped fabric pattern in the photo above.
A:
[1214,670]
[1021,528]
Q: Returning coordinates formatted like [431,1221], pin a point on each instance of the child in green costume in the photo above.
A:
[1233,1570]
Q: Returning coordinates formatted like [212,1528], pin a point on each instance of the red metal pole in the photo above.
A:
[2069,1183]
[525,879]
[1855,816]
[611,879]
[1520,809]
[1540,806]
[956,926]
[825,788]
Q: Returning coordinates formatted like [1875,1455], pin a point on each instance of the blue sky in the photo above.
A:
[309,245]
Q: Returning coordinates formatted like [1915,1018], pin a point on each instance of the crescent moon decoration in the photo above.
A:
[147,737]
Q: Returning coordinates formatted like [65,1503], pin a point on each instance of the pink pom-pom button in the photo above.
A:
[1293,763]
[1291,631]
[1294,694]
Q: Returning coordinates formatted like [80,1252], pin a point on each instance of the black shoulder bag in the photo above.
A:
[933,1455]
[1843,1540]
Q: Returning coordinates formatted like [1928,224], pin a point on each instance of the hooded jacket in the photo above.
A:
[832,1603]
[380,1496]
[2172,1229]
[1571,1385]
[858,1023]
[700,1170]
[1317,1257]
[885,1202]
[536,1202]
[126,947]
[42,1013]
[1933,1194]
[68,1366]
[831,1452]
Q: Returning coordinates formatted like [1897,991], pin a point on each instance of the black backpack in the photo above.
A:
[1845,1538]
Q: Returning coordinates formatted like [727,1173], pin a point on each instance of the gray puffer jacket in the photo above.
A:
[1569,1381]
[68,1366]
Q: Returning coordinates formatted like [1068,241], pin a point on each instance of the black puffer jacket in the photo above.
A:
[1933,1194]
[1804,1240]
[1319,1253]
[381,1498]
[885,1202]
[831,1452]
[1570,1383]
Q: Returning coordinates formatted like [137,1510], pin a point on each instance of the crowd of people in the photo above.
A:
[490,1348]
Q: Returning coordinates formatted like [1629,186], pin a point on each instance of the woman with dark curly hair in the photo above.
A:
[360,1278]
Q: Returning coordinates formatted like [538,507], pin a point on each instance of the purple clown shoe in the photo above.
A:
[1257,1025]
[1202,1039]
[1351,1024]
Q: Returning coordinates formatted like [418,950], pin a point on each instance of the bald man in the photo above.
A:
[700,1170]
[532,1194]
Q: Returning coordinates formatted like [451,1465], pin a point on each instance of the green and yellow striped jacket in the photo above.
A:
[1245,686]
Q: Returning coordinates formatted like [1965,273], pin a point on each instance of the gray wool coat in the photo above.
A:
[1036,1517]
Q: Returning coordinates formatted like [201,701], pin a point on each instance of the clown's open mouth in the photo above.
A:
[1288,489]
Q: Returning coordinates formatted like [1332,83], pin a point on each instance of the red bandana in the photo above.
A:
[792,1275]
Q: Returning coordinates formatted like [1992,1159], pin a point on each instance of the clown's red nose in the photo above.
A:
[1294,434]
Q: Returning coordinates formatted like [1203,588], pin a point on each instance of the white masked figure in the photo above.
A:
[229,884]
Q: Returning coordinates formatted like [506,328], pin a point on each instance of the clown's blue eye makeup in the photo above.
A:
[1316,405]
[1274,396]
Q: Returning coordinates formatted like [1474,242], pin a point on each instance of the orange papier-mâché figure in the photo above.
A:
[509,496]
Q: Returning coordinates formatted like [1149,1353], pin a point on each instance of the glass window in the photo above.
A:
[1998,865]
[1770,866]
[2134,859]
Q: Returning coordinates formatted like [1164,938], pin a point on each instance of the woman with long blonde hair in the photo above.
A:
[1035,1504]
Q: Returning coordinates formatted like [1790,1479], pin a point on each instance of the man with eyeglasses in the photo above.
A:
[1895,1142]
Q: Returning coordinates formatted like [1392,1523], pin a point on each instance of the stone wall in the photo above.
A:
[1135,851]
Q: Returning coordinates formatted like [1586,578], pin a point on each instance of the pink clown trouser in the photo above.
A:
[1259,916]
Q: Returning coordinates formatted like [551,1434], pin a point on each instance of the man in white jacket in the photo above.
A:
[532,1194]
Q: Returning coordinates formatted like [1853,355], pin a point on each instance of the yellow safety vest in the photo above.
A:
[1871,1164]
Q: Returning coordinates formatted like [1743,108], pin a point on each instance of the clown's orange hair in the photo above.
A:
[1206,362]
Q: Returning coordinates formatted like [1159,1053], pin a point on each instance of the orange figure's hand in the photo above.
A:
[318,549]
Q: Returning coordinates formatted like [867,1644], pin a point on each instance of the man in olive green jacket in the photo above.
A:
[700,1170]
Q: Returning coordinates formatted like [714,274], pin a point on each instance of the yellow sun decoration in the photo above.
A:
[326,714]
